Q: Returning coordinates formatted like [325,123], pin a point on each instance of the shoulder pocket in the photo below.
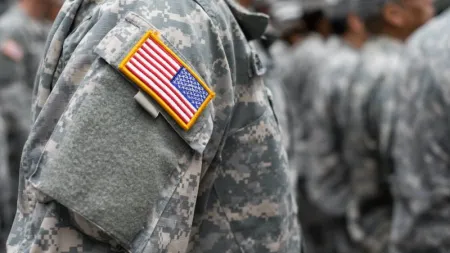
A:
[114,165]
[124,40]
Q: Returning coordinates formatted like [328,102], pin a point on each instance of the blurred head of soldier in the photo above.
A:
[315,18]
[286,19]
[317,21]
[42,9]
[395,18]
[346,22]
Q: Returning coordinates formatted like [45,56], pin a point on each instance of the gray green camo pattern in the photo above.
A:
[5,186]
[99,174]
[385,67]
[327,178]
[421,211]
[304,58]
[297,71]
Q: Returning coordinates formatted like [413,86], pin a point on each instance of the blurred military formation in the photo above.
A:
[361,100]
[24,27]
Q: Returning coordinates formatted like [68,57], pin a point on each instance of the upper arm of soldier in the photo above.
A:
[109,161]
[422,177]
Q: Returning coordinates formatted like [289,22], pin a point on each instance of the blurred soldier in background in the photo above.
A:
[302,59]
[23,32]
[326,180]
[287,23]
[305,56]
[373,102]
[422,152]
[5,186]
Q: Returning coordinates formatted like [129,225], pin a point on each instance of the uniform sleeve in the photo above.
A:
[422,179]
[327,180]
[126,176]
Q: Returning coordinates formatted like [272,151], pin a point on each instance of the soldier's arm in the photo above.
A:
[422,180]
[122,174]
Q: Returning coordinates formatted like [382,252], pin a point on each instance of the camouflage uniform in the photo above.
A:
[100,174]
[304,58]
[5,188]
[327,178]
[373,102]
[21,46]
[286,17]
[421,212]
[275,89]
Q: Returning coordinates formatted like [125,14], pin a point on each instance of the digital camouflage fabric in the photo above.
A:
[421,217]
[385,71]
[5,186]
[100,174]
[327,182]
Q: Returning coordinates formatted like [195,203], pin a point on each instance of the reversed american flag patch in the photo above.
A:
[159,72]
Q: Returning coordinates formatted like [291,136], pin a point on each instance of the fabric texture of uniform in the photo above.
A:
[5,188]
[385,67]
[100,174]
[421,214]
[305,58]
[327,178]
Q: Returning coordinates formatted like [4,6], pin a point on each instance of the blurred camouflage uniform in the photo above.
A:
[327,176]
[21,46]
[385,65]
[286,18]
[96,159]
[421,215]
[328,173]
[304,58]
[5,189]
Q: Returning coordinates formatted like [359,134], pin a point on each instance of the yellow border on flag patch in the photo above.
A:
[155,36]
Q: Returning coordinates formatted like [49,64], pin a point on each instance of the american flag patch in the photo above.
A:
[166,78]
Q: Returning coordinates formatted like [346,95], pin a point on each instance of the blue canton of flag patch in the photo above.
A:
[191,89]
